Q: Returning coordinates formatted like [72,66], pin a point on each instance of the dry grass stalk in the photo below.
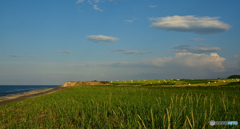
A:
[142,122]
[189,122]
[169,119]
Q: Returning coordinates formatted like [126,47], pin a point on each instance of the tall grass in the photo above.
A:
[125,107]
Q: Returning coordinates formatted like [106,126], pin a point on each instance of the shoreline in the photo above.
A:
[29,94]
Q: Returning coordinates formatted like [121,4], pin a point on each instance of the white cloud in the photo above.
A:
[90,2]
[96,8]
[80,1]
[128,21]
[96,1]
[21,56]
[196,39]
[126,51]
[199,25]
[153,6]
[198,62]
[64,51]
[102,38]
[212,61]
[195,49]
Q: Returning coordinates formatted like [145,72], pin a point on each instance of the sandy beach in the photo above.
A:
[30,94]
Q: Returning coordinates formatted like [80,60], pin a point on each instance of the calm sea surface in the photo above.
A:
[6,90]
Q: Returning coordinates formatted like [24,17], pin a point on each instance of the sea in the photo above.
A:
[6,90]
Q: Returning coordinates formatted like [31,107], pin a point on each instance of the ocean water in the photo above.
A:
[6,90]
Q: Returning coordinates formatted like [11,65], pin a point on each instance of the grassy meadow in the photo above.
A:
[170,105]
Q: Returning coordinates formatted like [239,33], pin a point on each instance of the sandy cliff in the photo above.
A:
[73,83]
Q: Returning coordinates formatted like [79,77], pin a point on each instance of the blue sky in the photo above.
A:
[51,42]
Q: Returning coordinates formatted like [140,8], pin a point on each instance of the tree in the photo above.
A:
[233,77]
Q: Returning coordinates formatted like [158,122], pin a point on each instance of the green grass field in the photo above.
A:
[182,82]
[149,106]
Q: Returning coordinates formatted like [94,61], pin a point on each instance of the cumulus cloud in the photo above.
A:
[212,62]
[102,38]
[64,51]
[196,39]
[126,51]
[153,6]
[96,8]
[80,1]
[199,25]
[195,49]
[21,56]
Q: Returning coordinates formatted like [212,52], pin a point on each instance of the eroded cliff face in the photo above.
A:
[69,83]
[73,83]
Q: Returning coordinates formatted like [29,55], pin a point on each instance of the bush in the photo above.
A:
[104,82]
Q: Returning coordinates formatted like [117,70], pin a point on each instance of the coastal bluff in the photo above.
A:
[73,83]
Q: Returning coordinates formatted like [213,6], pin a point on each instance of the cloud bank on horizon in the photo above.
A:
[212,62]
